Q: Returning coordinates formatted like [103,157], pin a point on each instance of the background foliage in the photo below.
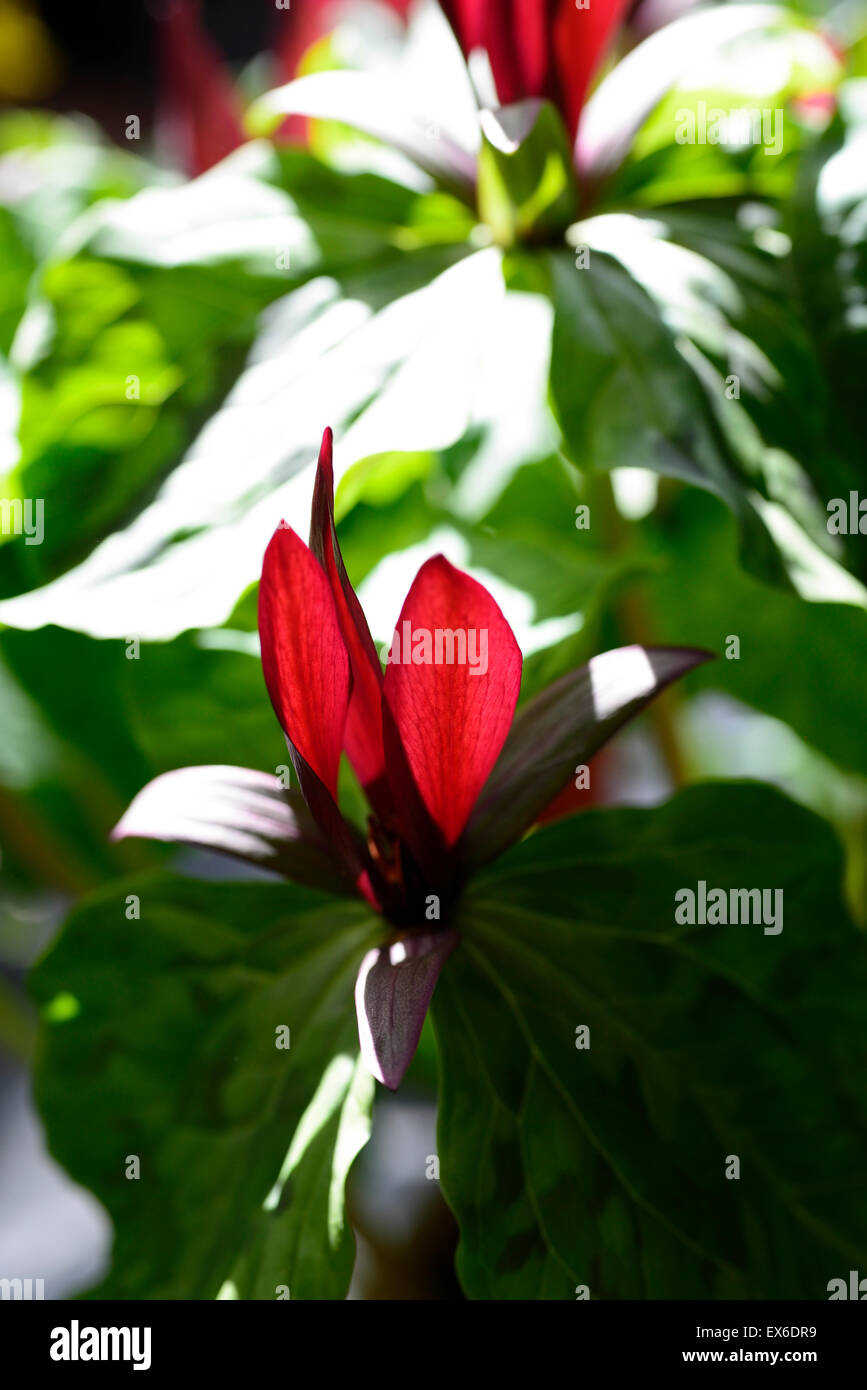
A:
[481,389]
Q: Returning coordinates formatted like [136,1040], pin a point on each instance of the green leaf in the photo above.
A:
[55,167]
[200,699]
[16,266]
[724,36]
[659,330]
[243,1145]
[527,186]
[826,221]
[285,1249]
[196,701]
[361,356]
[624,394]
[68,764]
[606,1166]
[803,663]
[730,130]
[139,325]
[370,103]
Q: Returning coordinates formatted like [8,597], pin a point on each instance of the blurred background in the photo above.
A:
[83,729]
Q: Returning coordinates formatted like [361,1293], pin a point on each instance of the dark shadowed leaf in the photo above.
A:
[804,663]
[605,1165]
[826,222]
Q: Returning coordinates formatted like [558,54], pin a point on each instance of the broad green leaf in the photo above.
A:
[803,663]
[723,279]
[730,127]
[624,393]
[678,349]
[169,1055]
[285,1250]
[363,357]
[140,323]
[629,93]
[826,221]
[67,767]
[374,105]
[605,1165]
[200,699]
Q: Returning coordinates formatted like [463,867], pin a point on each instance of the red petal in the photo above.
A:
[468,19]
[303,654]
[363,735]
[451,716]
[580,39]
[199,102]
[533,22]
[538,48]
[495,26]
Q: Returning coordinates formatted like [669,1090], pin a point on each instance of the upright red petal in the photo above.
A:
[363,735]
[303,653]
[580,39]
[451,685]
[495,28]
[198,103]
[533,24]
[538,48]
[468,19]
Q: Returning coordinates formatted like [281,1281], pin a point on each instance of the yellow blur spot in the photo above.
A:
[29,61]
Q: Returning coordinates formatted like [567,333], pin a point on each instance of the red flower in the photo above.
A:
[200,110]
[539,48]
[452,777]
